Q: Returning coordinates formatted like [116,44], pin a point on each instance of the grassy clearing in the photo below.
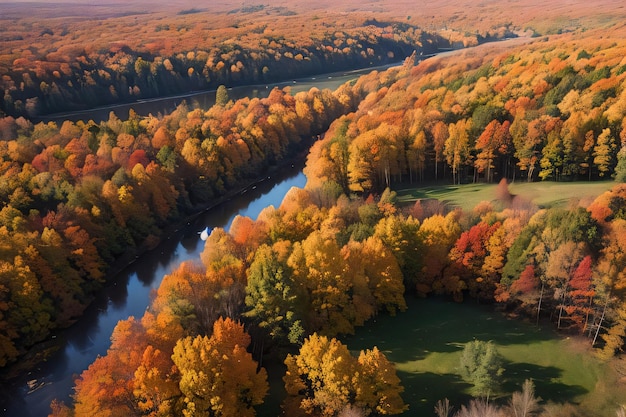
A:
[425,344]
[543,194]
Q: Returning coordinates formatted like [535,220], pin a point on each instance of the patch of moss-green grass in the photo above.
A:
[543,194]
[426,341]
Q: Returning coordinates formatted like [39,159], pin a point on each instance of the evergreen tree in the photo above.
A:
[270,297]
[481,367]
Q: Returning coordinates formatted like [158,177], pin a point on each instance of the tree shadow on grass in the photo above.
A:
[437,325]
[423,390]
[546,380]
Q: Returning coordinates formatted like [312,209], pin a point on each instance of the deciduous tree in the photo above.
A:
[324,379]
[319,378]
[218,377]
[317,267]
[524,403]
[457,147]
[378,388]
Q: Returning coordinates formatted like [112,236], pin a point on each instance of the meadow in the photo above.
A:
[544,194]
[426,341]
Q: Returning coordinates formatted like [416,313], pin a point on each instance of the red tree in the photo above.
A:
[581,293]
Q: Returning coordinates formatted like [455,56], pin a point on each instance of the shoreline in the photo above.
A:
[41,351]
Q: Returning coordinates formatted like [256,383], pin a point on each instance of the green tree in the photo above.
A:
[167,157]
[270,297]
[481,366]
[552,160]
[620,168]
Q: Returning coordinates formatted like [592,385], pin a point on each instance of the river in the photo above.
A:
[206,99]
[129,295]
[130,291]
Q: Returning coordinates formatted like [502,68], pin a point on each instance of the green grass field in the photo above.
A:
[543,194]
[425,344]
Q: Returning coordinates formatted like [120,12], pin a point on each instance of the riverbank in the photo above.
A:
[43,350]
[204,99]
[130,292]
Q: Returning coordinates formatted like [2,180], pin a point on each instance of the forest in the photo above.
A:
[79,198]
[55,66]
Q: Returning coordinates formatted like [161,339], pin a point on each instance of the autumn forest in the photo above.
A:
[515,92]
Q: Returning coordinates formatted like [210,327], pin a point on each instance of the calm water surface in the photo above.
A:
[130,294]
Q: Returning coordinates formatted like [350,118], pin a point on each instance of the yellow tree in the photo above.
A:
[604,152]
[218,377]
[374,158]
[440,134]
[319,379]
[318,267]
[610,282]
[384,275]
[438,234]
[300,216]
[362,298]
[224,259]
[378,388]
[328,158]
[497,247]
[323,379]
[457,147]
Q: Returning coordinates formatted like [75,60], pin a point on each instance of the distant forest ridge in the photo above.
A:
[64,59]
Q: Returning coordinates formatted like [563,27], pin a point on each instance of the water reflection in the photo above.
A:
[132,289]
[129,295]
